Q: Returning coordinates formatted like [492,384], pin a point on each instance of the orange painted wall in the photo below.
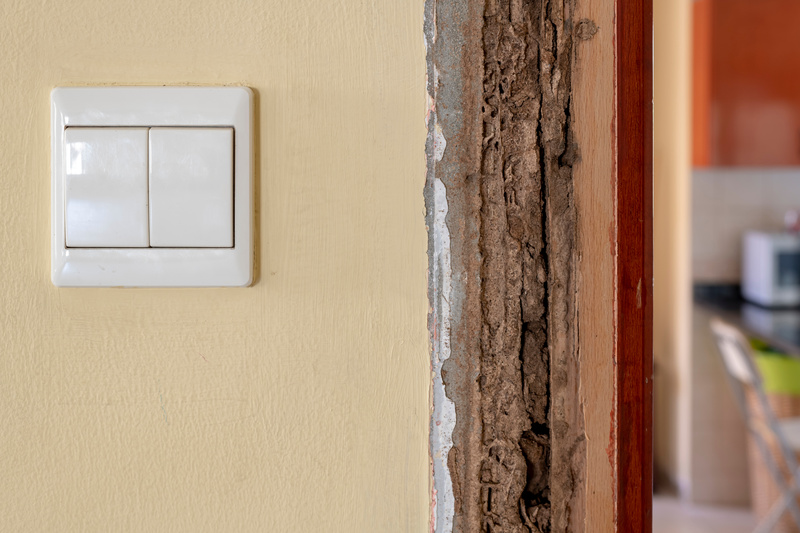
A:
[701,82]
[752,117]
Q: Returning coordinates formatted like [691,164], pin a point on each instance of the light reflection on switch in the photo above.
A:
[75,151]
[106,187]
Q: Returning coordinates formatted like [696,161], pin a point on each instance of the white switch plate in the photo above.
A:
[191,187]
[153,107]
[106,187]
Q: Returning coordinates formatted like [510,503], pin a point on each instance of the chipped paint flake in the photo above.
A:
[443,417]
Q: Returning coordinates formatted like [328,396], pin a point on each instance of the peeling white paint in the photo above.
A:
[439,144]
[443,419]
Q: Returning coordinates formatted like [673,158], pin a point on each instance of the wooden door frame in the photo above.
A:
[612,117]
[634,299]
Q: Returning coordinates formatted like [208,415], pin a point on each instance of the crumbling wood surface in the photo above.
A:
[533,444]
[518,461]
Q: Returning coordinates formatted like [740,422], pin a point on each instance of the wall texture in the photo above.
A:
[671,238]
[300,404]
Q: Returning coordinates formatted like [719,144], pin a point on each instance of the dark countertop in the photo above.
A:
[778,327]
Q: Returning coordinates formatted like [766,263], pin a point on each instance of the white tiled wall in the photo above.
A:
[725,203]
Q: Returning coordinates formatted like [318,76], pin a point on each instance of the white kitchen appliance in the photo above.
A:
[771,269]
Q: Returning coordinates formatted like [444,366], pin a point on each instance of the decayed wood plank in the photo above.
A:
[581,307]
[533,466]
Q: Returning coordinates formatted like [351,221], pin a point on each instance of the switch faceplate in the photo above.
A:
[106,187]
[151,187]
[191,187]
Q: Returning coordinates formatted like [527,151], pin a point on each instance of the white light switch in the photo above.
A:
[106,187]
[152,186]
[191,187]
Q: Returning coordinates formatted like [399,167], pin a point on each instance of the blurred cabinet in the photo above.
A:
[746,83]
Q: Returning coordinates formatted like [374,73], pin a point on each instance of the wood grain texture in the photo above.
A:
[593,106]
[635,264]
[611,191]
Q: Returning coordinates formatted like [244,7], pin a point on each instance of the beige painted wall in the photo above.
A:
[300,404]
[671,233]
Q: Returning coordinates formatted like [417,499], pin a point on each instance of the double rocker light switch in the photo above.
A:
[152,187]
[149,187]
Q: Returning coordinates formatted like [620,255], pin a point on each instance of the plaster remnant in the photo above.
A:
[443,416]
[443,419]
[439,145]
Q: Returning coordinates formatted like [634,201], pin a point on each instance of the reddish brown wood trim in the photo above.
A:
[635,265]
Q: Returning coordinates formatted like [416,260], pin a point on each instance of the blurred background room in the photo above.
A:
[727,165]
